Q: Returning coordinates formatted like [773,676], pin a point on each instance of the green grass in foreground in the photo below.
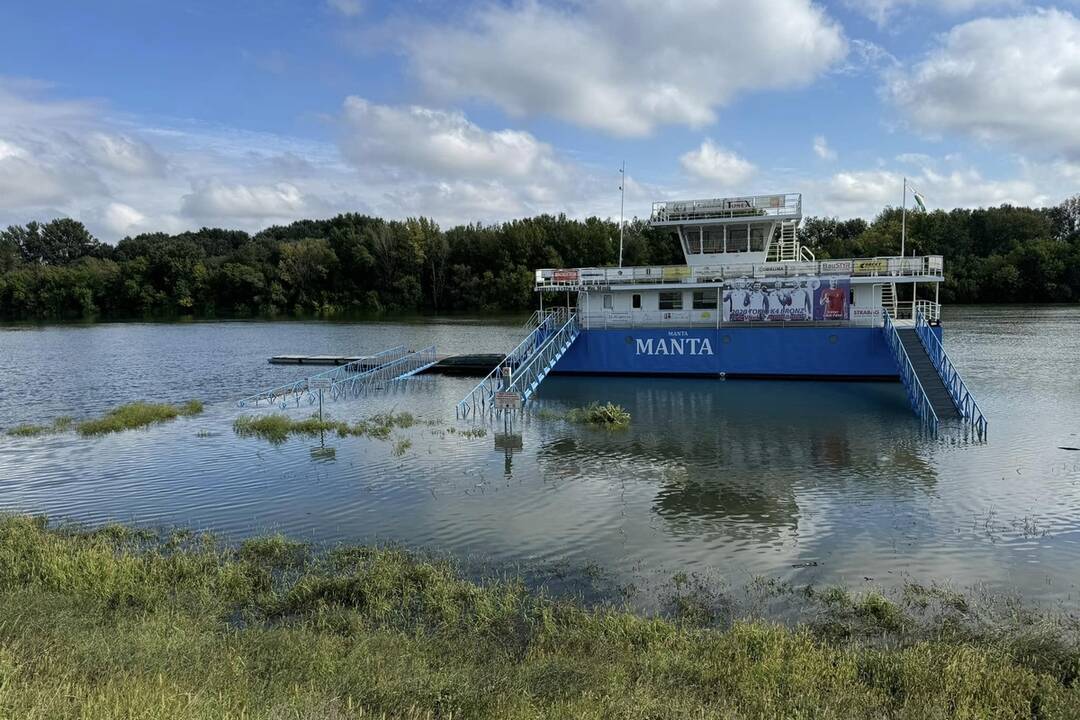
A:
[277,427]
[120,623]
[136,415]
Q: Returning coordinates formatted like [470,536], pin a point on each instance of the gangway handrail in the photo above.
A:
[950,376]
[528,376]
[484,392]
[917,397]
[298,388]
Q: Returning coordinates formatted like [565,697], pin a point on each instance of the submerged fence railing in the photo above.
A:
[353,378]
[481,398]
[950,376]
[920,403]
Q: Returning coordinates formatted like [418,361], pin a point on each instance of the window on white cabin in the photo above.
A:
[704,299]
[635,302]
[671,301]
[608,302]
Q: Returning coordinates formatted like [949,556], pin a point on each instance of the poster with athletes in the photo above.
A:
[792,299]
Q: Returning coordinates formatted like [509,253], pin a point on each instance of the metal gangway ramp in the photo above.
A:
[934,387]
[525,367]
[352,379]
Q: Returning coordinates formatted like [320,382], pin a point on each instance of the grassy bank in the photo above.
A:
[129,416]
[277,427]
[124,623]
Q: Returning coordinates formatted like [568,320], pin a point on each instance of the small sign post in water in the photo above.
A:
[320,384]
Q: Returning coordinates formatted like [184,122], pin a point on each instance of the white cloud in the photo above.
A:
[121,219]
[124,154]
[625,66]
[217,200]
[428,140]
[884,11]
[711,162]
[822,149]
[865,193]
[1011,80]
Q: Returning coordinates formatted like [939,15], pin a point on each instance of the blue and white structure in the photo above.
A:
[750,301]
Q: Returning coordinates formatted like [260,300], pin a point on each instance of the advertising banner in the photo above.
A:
[837,267]
[877,265]
[676,272]
[797,299]
[565,276]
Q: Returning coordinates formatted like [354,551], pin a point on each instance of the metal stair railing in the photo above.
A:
[527,377]
[377,378]
[917,398]
[950,376]
[296,390]
[481,397]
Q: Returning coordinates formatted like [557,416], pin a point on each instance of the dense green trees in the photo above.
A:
[357,264]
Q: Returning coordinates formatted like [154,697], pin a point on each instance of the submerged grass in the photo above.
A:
[277,427]
[137,415]
[601,414]
[112,624]
[58,425]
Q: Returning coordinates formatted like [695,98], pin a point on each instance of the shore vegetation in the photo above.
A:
[124,622]
[278,427]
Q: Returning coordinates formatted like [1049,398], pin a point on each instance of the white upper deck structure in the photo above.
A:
[748,237]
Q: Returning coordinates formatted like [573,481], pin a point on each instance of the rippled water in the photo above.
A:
[808,481]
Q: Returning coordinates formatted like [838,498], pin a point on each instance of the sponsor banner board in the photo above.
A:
[838,267]
[796,299]
[565,276]
[676,272]
[876,265]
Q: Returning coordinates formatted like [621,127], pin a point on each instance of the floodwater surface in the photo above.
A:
[810,482]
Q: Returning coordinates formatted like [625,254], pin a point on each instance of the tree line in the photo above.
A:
[355,264]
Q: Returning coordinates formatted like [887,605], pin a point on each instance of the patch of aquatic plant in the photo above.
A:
[104,624]
[58,425]
[137,415]
[277,427]
[601,414]
[476,432]
[401,446]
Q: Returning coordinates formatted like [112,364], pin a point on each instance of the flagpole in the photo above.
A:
[903,220]
[622,205]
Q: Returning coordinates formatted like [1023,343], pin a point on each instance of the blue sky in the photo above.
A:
[139,116]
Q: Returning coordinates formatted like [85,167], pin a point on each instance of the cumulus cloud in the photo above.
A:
[348,8]
[429,140]
[822,149]
[711,162]
[124,154]
[625,66]
[1012,80]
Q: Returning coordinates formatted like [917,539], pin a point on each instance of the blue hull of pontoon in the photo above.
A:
[749,352]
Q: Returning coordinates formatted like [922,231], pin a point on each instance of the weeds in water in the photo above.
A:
[111,624]
[607,415]
[277,427]
[137,415]
[60,424]
[401,446]
[476,432]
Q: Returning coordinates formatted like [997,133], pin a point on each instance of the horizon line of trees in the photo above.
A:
[355,264]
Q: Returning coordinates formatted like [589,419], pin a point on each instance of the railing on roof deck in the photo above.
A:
[748,207]
[917,398]
[883,267]
[950,376]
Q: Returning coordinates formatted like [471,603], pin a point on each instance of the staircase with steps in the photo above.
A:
[888,298]
[934,387]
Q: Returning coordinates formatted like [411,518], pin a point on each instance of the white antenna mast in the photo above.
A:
[622,205]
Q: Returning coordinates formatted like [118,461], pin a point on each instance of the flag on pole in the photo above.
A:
[918,199]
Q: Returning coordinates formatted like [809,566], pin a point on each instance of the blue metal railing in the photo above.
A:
[527,377]
[389,363]
[917,398]
[543,324]
[950,376]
